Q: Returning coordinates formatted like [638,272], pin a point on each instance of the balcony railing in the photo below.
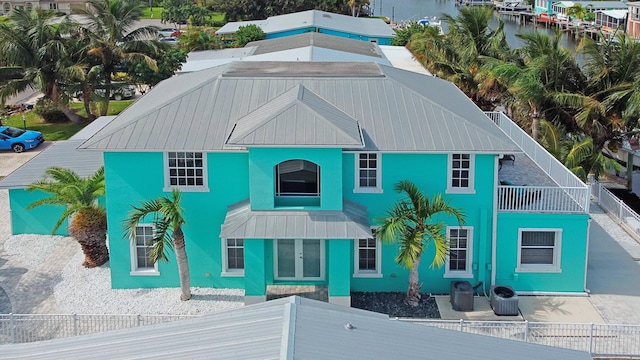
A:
[571,195]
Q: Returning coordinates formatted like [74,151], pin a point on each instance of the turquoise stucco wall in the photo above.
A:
[262,162]
[255,267]
[135,177]
[281,34]
[429,173]
[573,255]
[338,265]
[39,220]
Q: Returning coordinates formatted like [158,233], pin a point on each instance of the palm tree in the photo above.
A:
[168,219]
[410,224]
[112,39]
[79,196]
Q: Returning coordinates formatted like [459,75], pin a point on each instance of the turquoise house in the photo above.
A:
[365,29]
[286,167]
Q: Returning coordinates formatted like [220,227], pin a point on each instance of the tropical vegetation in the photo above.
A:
[594,103]
[415,222]
[79,200]
[167,216]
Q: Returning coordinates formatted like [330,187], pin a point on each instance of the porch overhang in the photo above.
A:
[243,223]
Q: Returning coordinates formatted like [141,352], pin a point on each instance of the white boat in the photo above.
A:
[433,21]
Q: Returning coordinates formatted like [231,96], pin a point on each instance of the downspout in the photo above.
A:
[494,225]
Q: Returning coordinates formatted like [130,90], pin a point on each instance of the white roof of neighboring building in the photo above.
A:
[617,14]
[288,328]
[370,27]
[401,58]
[594,4]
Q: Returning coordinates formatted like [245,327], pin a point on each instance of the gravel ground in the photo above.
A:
[393,304]
[88,291]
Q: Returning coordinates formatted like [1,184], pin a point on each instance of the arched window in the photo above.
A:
[297,178]
[6,7]
[28,6]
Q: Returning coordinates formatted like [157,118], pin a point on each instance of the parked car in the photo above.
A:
[170,40]
[19,140]
[119,91]
[167,32]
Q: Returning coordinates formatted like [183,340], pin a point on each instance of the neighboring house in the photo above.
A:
[65,6]
[612,20]
[290,328]
[366,29]
[633,22]
[560,8]
[41,220]
[286,166]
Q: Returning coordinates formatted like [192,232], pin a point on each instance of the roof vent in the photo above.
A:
[349,326]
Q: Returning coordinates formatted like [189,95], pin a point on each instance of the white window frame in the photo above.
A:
[225,261]
[357,273]
[468,272]
[135,271]
[557,252]
[368,189]
[53,6]
[186,188]
[461,190]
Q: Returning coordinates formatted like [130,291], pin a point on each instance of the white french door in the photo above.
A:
[300,259]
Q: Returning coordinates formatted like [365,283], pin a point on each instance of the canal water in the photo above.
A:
[402,10]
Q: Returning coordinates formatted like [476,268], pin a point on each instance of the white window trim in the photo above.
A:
[133,255]
[205,175]
[472,174]
[357,273]
[356,175]
[468,273]
[226,272]
[557,253]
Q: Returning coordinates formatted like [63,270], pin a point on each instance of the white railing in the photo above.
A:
[616,207]
[596,339]
[28,328]
[541,199]
[562,176]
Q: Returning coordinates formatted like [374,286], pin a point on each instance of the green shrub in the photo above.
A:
[49,112]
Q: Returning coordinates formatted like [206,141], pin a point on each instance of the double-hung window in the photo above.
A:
[141,245]
[460,258]
[367,258]
[460,175]
[539,250]
[185,170]
[232,257]
[368,172]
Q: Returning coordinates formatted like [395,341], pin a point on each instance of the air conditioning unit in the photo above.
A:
[461,296]
[504,300]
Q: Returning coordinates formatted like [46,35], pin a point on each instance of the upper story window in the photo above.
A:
[460,257]
[6,8]
[461,174]
[29,6]
[367,258]
[297,178]
[368,172]
[185,170]
[53,6]
[232,257]
[539,250]
[141,264]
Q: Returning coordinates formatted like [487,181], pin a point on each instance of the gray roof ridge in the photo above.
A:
[91,141]
[435,104]
[329,120]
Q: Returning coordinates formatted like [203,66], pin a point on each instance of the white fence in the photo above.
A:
[596,339]
[541,199]
[616,207]
[28,328]
[565,179]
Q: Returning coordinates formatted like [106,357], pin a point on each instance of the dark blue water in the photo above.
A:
[400,10]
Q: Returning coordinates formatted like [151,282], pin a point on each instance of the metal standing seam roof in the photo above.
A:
[396,110]
[318,40]
[288,328]
[370,27]
[617,14]
[595,4]
[350,223]
[312,120]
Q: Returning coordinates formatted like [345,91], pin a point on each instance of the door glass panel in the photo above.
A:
[311,258]
[286,258]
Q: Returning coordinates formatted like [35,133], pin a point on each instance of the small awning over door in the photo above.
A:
[350,223]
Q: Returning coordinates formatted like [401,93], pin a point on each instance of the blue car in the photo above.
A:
[19,140]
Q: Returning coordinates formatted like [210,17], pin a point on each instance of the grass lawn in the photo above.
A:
[58,131]
[149,14]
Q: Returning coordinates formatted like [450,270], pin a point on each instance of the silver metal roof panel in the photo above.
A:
[317,40]
[350,223]
[397,110]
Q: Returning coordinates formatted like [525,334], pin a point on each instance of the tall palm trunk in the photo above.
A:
[183,265]
[413,292]
[89,228]
[535,121]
